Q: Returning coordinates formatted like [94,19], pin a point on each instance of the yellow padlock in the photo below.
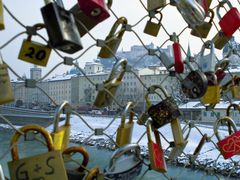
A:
[34,52]
[60,135]
[220,39]
[153,28]
[6,92]
[46,166]
[1,16]
[203,29]
[113,40]
[179,141]
[114,80]
[155,4]
[124,131]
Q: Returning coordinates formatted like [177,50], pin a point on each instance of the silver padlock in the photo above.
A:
[167,61]
[191,11]
[125,167]
[207,62]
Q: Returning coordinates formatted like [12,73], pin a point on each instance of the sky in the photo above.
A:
[28,12]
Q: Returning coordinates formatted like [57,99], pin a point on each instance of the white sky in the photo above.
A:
[28,12]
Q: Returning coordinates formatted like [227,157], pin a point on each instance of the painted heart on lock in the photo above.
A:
[232,146]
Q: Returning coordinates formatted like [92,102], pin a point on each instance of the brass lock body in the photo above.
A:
[113,40]
[124,131]
[153,28]
[220,40]
[2,26]
[155,4]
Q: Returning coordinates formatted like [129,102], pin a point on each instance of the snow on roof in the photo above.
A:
[62,77]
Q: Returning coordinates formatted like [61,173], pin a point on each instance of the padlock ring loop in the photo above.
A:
[221,5]
[121,63]
[212,15]
[221,120]
[82,151]
[209,45]
[128,109]
[92,173]
[63,106]
[121,151]
[25,129]
[109,4]
[121,21]
[235,106]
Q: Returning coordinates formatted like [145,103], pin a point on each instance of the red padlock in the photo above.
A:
[230,145]
[156,154]
[179,66]
[95,9]
[230,22]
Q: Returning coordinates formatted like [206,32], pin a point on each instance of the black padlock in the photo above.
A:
[61,28]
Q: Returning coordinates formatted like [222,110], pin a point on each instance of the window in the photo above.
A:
[205,113]
[212,114]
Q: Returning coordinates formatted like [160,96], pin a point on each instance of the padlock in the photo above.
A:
[163,112]
[60,135]
[6,92]
[125,167]
[155,151]
[203,29]
[235,89]
[95,9]
[220,39]
[230,145]
[153,5]
[113,40]
[205,4]
[76,174]
[94,173]
[191,11]
[124,131]
[153,28]
[198,149]
[236,107]
[46,166]
[222,64]
[1,16]
[143,118]
[166,60]
[212,95]
[207,62]
[2,177]
[230,22]
[61,28]
[114,80]
[220,75]
[34,52]
[84,22]
[179,141]
[178,62]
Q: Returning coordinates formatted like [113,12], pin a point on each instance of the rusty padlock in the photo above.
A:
[212,95]
[153,28]
[178,62]
[95,9]
[113,40]
[153,5]
[125,167]
[155,151]
[124,131]
[61,28]
[207,62]
[60,135]
[203,29]
[230,22]
[163,112]
[230,145]
[191,11]
[76,174]
[198,149]
[34,52]
[179,141]
[6,92]
[114,80]
[42,166]
[2,26]
[84,23]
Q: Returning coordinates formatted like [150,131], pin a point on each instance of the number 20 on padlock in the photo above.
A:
[34,52]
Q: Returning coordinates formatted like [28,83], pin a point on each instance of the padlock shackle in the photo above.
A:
[82,151]
[200,145]
[109,4]
[235,106]
[219,121]
[128,109]
[25,129]
[209,45]
[59,111]
[92,173]
[156,134]
[212,15]
[121,63]
[221,5]
[121,21]
[152,90]
[48,1]
[121,151]
[37,27]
